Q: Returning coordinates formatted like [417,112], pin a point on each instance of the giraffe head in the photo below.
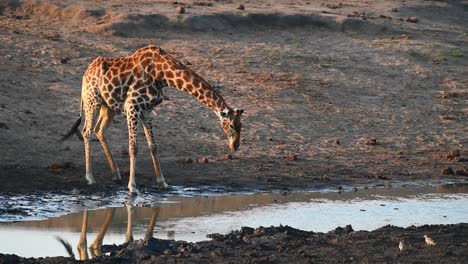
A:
[230,120]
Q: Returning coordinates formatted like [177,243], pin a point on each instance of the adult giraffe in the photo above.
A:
[133,86]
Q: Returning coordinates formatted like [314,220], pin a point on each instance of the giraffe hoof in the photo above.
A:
[133,193]
[91,182]
[117,180]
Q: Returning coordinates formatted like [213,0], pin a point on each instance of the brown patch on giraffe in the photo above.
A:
[128,67]
[171,83]
[159,66]
[145,97]
[165,66]
[196,83]
[189,87]
[186,78]
[169,74]
[180,83]
[115,71]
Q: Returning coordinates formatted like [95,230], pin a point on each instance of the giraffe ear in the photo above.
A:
[239,111]
[224,113]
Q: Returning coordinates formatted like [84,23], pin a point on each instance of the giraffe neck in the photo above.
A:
[179,76]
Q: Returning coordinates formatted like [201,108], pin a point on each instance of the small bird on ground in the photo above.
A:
[429,241]
[401,246]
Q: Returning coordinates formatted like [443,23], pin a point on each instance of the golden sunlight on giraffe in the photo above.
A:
[133,86]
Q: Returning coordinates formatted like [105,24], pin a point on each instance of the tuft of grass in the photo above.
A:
[456,53]
[440,58]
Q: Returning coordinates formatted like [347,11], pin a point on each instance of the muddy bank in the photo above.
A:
[284,244]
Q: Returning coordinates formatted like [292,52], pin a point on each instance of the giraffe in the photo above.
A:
[133,86]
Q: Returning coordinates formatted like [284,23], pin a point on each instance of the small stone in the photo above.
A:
[240,7]
[180,10]
[56,168]
[4,126]
[124,153]
[462,170]
[291,156]
[372,142]
[336,142]
[202,160]
[64,60]
[447,171]
[28,112]
[395,9]
[412,20]
[228,156]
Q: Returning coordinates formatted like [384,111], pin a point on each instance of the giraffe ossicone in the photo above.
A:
[133,85]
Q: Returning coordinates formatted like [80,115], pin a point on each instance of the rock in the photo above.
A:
[291,156]
[372,142]
[452,155]
[56,168]
[64,59]
[202,160]
[462,170]
[4,126]
[180,10]
[447,171]
[185,160]
[124,153]
[228,156]
[395,9]
[342,230]
[240,7]
[412,20]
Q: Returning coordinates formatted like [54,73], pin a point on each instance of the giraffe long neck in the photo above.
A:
[185,79]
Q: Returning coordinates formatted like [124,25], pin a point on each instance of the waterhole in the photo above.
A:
[192,217]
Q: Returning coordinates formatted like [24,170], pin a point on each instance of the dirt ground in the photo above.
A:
[334,93]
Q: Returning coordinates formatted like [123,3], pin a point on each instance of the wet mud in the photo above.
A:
[284,244]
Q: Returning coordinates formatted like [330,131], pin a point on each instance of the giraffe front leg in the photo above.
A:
[132,151]
[148,128]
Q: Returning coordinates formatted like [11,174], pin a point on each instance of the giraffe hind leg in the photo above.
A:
[105,116]
[90,111]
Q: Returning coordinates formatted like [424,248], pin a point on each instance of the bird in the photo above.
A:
[401,246]
[429,241]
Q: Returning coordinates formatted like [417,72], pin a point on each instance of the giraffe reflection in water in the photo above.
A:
[95,249]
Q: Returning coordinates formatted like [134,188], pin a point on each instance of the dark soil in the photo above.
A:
[284,244]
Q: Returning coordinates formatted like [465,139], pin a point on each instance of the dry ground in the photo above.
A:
[335,93]
[355,91]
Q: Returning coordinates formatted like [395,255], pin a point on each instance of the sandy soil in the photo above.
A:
[343,92]
[353,91]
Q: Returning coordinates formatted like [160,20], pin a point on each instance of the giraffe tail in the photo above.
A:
[73,130]
[67,246]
